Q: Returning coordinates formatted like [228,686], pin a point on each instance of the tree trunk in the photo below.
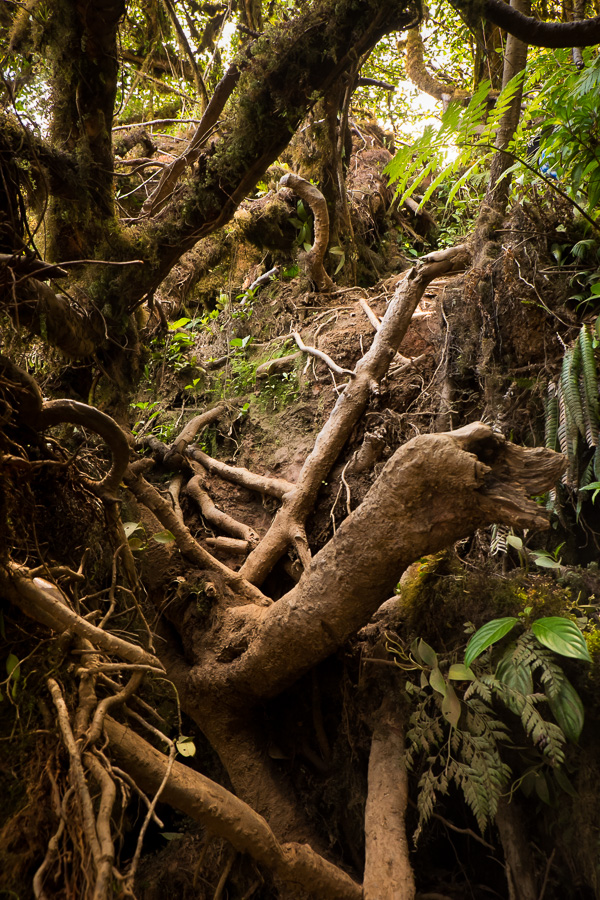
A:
[388,872]
[515,60]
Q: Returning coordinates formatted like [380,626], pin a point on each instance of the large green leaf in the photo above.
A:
[438,682]
[561,635]
[451,708]
[568,711]
[517,677]
[487,635]
[427,654]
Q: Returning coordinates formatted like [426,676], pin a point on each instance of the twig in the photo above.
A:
[124,776]
[159,122]
[150,813]
[546,874]
[102,262]
[467,831]
[346,485]
[262,279]
[322,356]
[373,319]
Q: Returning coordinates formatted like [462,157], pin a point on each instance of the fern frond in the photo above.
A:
[589,387]
[569,378]
[503,102]
[498,541]
[551,419]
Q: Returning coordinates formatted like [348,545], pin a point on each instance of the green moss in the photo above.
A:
[441,595]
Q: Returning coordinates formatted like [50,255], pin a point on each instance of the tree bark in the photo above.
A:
[532,31]
[84,84]
[515,60]
[520,870]
[228,817]
[388,872]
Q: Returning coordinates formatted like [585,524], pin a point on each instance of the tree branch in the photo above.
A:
[55,412]
[298,503]
[313,261]
[585,33]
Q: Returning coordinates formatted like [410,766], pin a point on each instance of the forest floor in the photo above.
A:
[484,344]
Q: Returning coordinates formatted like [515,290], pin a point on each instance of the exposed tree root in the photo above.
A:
[228,817]
[298,502]
[388,872]
[216,516]
[164,512]
[44,607]
[313,261]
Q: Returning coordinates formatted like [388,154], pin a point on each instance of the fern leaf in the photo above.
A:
[589,387]
[569,378]
[551,421]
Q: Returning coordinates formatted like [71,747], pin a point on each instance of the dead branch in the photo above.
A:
[388,872]
[319,354]
[226,816]
[376,323]
[55,412]
[298,502]
[313,260]
[173,172]
[44,607]
[188,52]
